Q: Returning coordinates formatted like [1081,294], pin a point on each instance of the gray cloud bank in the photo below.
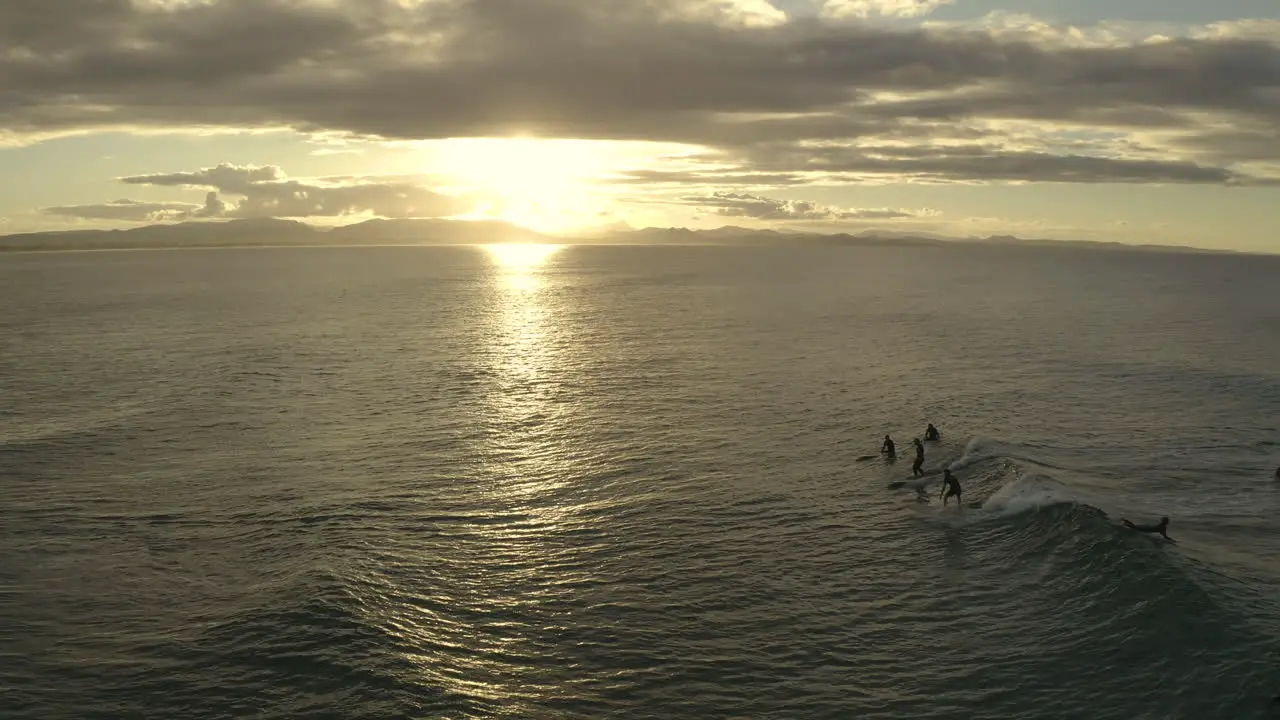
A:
[804,96]
[130,210]
[266,193]
[746,205]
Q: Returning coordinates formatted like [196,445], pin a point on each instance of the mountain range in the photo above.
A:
[280,232]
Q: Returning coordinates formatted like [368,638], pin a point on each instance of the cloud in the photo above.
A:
[1006,25]
[240,180]
[983,163]
[732,13]
[1260,29]
[790,164]
[738,76]
[127,210]
[735,176]
[266,192]
[766,208]
[873,8]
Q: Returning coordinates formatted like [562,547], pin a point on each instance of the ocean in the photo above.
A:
[632,482]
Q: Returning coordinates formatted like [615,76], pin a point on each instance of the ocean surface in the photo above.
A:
[630,482]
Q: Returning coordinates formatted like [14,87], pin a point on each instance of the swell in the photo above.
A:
[1049,540]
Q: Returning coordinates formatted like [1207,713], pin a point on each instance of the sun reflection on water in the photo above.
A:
[484,610]
[519,263]
[529,365]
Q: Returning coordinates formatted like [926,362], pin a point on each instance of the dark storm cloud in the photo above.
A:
[621,69]
[767,208]
[266,193]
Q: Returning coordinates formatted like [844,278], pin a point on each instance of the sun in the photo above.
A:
[544,185]
[549,185]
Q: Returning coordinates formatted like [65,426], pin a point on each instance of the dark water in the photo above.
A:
[623,482]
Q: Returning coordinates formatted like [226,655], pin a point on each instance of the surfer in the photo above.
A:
[950,486]
[888,448]
[1159,528]
[1278,473]
[917,469]
[931,433]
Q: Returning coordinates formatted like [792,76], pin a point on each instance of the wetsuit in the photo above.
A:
[931,433]
[917,469]
[888,448]
[951,486]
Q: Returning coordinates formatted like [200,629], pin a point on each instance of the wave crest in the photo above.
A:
[1027,492]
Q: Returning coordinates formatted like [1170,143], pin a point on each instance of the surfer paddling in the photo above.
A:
[1160,527]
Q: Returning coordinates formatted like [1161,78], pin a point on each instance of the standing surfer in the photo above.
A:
[888,448]
[931,433]
[950,486]
[917,469]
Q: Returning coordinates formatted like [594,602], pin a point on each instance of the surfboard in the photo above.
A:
[1153,537]
[865,458]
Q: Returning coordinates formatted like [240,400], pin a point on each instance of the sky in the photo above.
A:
[1142,121]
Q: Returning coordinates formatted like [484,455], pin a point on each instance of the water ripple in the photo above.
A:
[604,487]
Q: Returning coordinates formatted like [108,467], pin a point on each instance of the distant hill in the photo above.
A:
[276,232]
[432,232]
[732,235]
[186,234]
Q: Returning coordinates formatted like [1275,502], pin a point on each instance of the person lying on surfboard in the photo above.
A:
[1158,528]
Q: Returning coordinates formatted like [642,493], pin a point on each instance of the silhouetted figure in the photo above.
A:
[1158,528]
[1278,473]
[888,448]
[917,468]
[950,486]
[931,433]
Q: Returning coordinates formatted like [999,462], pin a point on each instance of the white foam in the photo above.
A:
[976,450]
[1025,493]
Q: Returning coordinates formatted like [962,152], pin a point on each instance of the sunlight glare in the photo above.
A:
[521,257]
[546,185]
